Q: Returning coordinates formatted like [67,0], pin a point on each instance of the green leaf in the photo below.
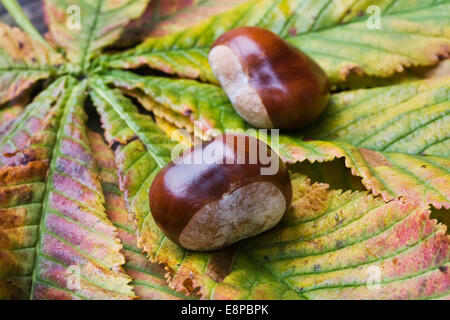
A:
[56,240]
[148,282]
[332,32]
[386,173]
[83,28]
[163,17]
[326,247]
[137,166]
[330,245]
[409,118]
[206,103]
[23,61]
[143,148]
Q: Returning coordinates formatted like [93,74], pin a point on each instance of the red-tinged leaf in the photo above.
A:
[56,241]
[326,246]
[38,122]
[330,245]
[148,282]
[164,17]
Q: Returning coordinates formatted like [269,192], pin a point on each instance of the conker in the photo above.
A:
[230,188]
[270,83]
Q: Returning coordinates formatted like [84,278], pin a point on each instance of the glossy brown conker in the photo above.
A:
[270,83]
[239,188]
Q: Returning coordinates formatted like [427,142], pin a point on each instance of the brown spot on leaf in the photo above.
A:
[12,217]
[395,261]
[188,284]
[31,172]
[345,71]
[220,264]
[292,31]
[15,195]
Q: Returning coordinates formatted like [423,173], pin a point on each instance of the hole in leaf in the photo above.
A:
[442,216]
[140,107]
[334,173]
[93,121]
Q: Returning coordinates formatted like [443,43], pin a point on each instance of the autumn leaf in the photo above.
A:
[82,28]
[409,118]
[148,282]
[382,222]
[33,122]
[143,148]
[23,61]
[382,172]
[330,245]
[385,173]
[165,17]
[335,34]
[53,223]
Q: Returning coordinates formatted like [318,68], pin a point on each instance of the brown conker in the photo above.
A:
[230,188]
[270,83]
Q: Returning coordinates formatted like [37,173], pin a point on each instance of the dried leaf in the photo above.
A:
[23,61]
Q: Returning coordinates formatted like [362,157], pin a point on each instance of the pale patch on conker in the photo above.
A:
[226,66]
[244,213]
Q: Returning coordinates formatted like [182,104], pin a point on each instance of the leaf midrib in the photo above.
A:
[90,36]
[161,163]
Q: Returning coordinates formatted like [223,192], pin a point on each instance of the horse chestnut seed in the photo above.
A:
[270,83]
[219,192]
